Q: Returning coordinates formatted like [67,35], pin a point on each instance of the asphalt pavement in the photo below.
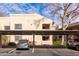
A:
[38,52]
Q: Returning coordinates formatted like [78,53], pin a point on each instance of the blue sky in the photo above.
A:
[25,8]
[39,8]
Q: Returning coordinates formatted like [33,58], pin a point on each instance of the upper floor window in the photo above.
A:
[18,26]
[45,26]
[6,27]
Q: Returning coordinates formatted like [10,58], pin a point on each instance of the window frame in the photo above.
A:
[18,26]
[18,37]
[43,26]
[5,27]
[46,37]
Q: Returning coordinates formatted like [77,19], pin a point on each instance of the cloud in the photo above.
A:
[40,8]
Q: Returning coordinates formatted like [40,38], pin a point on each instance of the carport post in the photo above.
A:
[0,42]
[33,43]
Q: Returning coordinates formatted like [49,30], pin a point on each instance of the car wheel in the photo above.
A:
[77,48]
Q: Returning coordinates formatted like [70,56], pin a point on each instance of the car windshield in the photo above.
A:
[23,41]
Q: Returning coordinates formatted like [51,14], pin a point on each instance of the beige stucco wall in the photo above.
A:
[27,21]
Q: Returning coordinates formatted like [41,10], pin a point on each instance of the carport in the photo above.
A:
[37,32]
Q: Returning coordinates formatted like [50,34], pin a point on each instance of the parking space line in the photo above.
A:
[11,51]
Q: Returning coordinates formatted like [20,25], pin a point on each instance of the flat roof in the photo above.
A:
[73,25]
[39,32]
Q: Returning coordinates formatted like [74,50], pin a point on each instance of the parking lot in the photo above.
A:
[39,52]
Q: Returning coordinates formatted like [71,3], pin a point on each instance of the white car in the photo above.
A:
[23,45]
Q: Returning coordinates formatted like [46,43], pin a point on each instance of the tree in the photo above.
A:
[66,13]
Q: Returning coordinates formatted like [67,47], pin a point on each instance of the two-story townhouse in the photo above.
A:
[28,22]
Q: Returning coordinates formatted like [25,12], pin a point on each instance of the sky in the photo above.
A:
[25,8]
[19,8]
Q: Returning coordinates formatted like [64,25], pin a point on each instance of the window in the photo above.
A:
[18,26]
[6,27]
[18,37]
[45,26]
[45,38]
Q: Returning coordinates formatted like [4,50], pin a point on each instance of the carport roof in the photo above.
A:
[39,32]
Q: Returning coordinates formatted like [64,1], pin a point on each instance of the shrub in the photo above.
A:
[57,42]
[4,40]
